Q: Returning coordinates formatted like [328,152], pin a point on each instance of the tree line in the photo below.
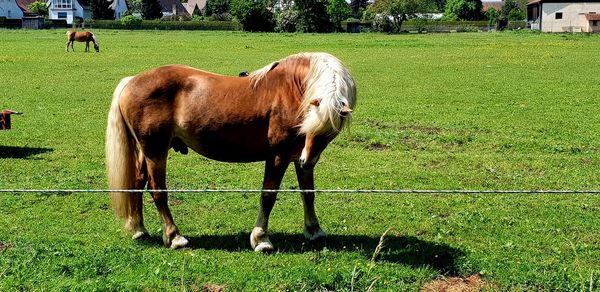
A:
[318,15]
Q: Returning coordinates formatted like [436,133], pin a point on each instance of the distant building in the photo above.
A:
[173,7]
[10,9]
[195,6]
[564,16]
[496,4]
[69,10]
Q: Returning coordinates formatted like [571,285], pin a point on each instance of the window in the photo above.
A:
[594,22]
[558,15]
[62,15]
[63,4]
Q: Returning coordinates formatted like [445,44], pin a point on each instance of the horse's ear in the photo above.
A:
[315,102]
[345,111]
[274,65]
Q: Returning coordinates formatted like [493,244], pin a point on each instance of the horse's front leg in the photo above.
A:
[68,43]
[157,170]
[312,229]
[274,171]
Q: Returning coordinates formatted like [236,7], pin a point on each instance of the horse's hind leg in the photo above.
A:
[135,223]
[312,229]
[274,171]
[157,170]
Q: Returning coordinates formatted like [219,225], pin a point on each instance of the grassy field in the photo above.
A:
[438,111]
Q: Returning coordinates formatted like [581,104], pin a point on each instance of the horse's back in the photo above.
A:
[80,36]
[218,116]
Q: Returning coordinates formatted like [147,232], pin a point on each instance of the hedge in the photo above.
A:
[436,25]
[10,23]
[165,25]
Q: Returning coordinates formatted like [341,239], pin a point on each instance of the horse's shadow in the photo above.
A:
[21,152]
[407,250]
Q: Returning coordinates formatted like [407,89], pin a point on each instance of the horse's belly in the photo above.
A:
[240,147]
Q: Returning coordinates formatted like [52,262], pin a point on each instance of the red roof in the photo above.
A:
[493,4]
[23,4]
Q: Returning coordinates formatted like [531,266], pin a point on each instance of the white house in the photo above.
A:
[10,9]
[72,9]
[564,15]
[120,7]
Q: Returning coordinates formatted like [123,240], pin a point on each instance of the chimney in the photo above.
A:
[174,9]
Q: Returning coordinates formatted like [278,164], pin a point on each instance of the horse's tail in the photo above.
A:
[121,155]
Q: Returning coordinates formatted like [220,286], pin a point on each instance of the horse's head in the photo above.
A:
[96,43]
[328,96]
[316,142]
[328,101]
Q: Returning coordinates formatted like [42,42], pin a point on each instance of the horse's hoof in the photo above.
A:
[139,235]
[264,246]
[259,240]
[179,242]
[315,235]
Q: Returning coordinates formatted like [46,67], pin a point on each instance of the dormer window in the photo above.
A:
[63,4]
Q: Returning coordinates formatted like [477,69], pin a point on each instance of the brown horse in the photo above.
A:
[287,111]
[82,36]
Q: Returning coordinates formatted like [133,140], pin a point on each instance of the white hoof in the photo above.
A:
[178,242]
[139,235]
[264,246]
[314,235]
[259,240]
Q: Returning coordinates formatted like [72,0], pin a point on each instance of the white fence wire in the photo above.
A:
[365,191]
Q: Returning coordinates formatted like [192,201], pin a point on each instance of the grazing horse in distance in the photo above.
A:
[288,111]
[82,36]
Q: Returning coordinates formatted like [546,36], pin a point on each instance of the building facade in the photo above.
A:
[562,16]
[9,9]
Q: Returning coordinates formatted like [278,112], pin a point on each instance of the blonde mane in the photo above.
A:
[330,84]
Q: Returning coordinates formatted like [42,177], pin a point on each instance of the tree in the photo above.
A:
[463,10]
[512,10]
[492,15]
[358,6]
[101,9]
[286,21]
[440,5]
[38,7]
[312,16]
[151,9]
[253,15]
[217,7]
[135,6]
[338,11]
[392,13]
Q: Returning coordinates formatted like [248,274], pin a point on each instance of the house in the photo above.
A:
[173,7]
[10,9]
[564,15]
[195,6]
[72,9]
[496,4]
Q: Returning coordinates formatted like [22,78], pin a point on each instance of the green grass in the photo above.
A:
[437,111]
